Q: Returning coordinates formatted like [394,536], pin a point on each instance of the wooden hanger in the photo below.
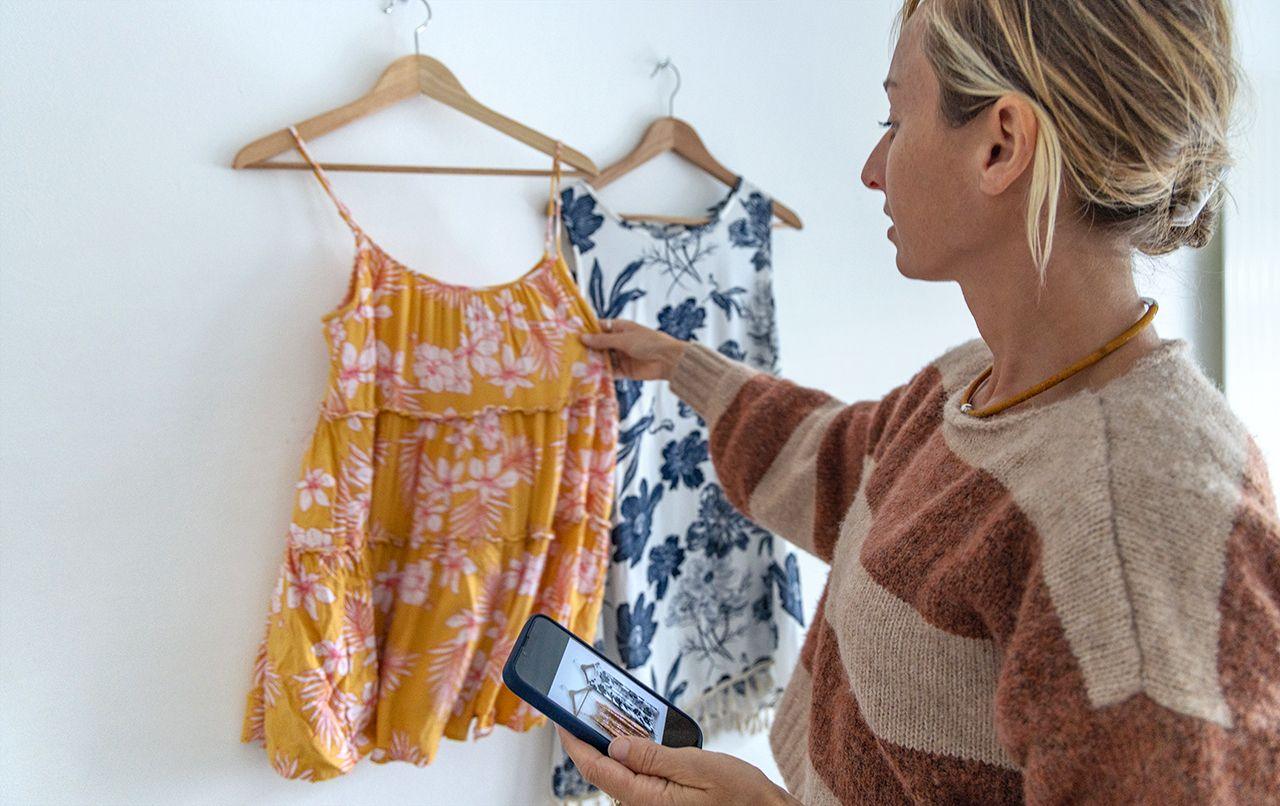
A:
[408,77]
[673,134]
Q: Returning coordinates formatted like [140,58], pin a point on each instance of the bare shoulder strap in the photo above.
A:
[324,180]
[553,206]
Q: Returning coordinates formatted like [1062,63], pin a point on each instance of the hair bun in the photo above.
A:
[1184,215]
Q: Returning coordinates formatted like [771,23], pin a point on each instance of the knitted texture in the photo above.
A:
[1074,602]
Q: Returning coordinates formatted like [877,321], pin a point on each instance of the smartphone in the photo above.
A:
[584,692]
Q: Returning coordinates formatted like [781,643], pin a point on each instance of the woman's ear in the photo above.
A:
[1007,132]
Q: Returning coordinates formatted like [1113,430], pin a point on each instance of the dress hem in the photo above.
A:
[368,753]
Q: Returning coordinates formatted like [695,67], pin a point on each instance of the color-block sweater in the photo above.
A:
[1077,602]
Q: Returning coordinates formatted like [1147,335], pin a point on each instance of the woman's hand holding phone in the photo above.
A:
[638,772]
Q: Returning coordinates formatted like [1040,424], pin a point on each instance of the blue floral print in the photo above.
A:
[635,632]
[788,582]
[720,527]
[700,602]
[671,690]
[711,610]
[619,295]
[682,321]
[567,781]
[688,411]
[755,230]
[628,392]
[632,533]
[665,560]
[580,219]
[731,349]
[681,460]
[727,300]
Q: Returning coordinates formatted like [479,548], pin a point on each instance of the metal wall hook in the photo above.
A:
[671,102]
[417,32]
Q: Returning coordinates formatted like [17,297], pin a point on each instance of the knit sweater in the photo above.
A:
[1074,602]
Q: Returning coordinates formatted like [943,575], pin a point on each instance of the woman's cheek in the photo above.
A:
[895,191]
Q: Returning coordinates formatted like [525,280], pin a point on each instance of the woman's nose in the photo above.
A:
[873,169]
[871,174]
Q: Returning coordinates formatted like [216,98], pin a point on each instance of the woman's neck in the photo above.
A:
[1088,299]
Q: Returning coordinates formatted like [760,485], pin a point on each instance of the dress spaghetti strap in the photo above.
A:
[553,207]
[553,202]
[324,180]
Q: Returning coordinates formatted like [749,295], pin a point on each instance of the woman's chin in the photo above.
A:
[908,269]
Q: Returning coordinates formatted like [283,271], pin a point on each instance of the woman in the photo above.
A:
[1041,592]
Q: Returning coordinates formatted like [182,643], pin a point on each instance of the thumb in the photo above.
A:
[647,757]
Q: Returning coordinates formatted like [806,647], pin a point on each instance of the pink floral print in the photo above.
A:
[457,481]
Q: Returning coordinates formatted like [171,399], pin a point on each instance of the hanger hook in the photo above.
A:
[671,102]
[417,32]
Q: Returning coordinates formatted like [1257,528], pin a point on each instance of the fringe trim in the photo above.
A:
[721,708]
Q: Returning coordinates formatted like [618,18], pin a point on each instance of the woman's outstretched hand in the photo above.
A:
[639,772]
[639,352]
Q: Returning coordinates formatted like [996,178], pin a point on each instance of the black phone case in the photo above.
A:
[559,715]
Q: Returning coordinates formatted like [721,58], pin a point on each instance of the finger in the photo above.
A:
[605,341]
[619,325]
[613,327]
[603,772]
[622,363]
[650,758]
[575,747]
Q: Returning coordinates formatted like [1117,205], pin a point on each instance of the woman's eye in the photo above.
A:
[887,123]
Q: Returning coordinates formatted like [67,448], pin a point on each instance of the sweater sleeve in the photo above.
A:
[789,457]
[1159,727]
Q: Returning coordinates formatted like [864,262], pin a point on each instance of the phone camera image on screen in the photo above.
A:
[591,691]
[597,701]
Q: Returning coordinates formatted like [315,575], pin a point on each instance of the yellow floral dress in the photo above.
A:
[459,479]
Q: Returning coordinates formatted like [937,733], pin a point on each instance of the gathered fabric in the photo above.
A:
[459,479]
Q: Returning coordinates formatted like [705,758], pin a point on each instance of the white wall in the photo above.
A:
[1251,340]
[162,353]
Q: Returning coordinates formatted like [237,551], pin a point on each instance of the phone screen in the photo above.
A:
[559,674]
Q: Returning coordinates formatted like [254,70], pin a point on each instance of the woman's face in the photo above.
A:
[927,172]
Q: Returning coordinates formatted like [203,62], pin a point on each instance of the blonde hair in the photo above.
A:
[1133,100]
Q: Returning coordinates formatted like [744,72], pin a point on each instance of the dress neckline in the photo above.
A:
[547,262]
[422,277]
[661,231]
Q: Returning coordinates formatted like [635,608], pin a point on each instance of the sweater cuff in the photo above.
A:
[708,381]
